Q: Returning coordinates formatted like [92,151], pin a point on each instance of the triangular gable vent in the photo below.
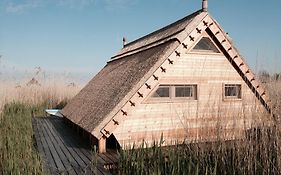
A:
[205,44]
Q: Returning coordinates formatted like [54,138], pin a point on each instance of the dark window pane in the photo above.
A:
[162,91]
[206,44]
[233,90]
[184,91]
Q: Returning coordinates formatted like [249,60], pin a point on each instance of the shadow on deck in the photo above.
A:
[63,151]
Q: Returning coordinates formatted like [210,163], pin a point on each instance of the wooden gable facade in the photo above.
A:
[184,82]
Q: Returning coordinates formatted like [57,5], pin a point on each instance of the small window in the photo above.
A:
[232,91]
[205,44]
[186,91]
[162,91]
[174,92]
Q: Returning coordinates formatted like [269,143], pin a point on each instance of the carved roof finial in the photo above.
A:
[205,5]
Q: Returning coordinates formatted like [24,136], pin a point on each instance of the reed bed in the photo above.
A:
[18,154]
[36,93]
[258,153]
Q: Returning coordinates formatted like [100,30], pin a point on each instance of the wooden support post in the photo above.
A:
[102,145]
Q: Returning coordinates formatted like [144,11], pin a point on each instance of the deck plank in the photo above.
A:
[64,151]
[84,150]
[69,161]
[49,161]
[84,164]
[56,157]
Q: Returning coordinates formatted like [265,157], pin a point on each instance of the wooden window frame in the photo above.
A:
[162,85]
[238,97]
[194,91]
[172,98]
[192,50]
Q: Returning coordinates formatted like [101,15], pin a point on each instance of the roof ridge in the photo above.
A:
[164,28]
[145,47]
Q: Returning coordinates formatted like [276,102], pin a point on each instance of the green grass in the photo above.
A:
[18,154]
[258,154]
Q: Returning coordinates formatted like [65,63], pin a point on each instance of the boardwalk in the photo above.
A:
[64,152]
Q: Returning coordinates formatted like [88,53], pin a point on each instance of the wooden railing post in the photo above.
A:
[102,145]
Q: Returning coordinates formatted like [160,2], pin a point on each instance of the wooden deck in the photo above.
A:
[63,151]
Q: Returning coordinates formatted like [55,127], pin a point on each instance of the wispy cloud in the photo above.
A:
[119,4]
[14,7]
[75,4]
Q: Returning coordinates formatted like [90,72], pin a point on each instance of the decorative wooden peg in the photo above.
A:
[229,49]
[148,86]
[140,94]
[155,78]
[205,23]
[198,30]
[178,53]
[191,38]
[263,93]
[211,24]
[170,61]
[132,103]
[248,71]
[236,56]
[163,69]
[241,64]
[217,32]
[184,45]
[115,122]
[106,132]
[223,41]
[124,112]
[252,79]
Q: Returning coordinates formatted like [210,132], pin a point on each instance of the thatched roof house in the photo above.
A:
[173,82]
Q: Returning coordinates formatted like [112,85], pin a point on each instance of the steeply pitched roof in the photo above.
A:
[99,97]
[123,72]
[160,36]
[96,105]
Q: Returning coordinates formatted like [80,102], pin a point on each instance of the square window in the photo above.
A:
[162,91]
[232,91]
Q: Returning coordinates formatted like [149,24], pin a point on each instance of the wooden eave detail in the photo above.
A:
[191,36]
[153,80]
[234,55]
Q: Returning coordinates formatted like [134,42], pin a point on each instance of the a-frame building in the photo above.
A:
[185,81]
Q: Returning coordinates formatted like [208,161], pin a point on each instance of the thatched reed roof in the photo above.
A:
[111,85]
[123,72]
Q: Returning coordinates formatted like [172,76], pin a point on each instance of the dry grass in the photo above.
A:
[52,92]
[17,104]
[274,90]
[257,153]
[260,153]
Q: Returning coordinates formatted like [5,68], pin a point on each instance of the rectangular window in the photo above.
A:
[186,91]
[232,91]
[174,92]
[162,91]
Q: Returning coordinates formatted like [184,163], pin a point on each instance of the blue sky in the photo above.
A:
[79,36]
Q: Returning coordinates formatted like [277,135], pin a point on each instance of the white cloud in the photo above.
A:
[13,7]
[75,4]
[119,4]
